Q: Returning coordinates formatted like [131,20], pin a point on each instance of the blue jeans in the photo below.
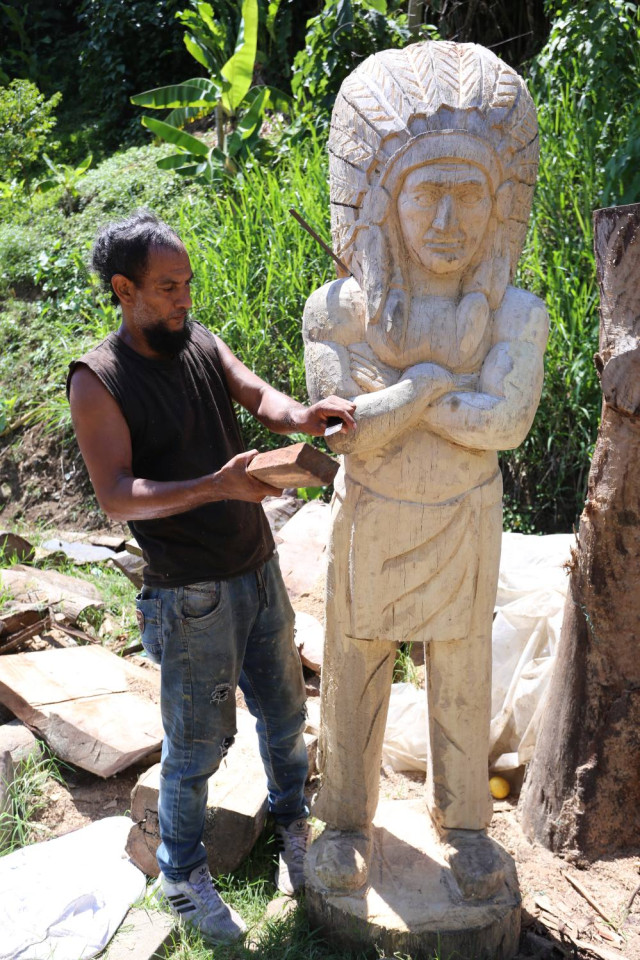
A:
[208,638]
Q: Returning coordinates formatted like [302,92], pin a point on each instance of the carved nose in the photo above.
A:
[444,212]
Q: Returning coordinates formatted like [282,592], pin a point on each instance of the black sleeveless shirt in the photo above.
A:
[182,424]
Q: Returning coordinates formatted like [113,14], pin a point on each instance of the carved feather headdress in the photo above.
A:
[442,95]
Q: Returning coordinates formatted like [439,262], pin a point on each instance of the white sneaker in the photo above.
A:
[197,902]
[292,842]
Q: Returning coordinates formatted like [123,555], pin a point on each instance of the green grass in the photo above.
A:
[27,797]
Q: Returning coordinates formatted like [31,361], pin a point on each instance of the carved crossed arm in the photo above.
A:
[385,410]
[499,415]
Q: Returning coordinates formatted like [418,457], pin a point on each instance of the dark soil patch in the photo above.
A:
[44,483]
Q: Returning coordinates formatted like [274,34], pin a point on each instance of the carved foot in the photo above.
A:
[343,859]
[475,863]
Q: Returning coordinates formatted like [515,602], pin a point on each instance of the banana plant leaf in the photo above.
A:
[238,70]
[199,92]
[199,52]
[178,137]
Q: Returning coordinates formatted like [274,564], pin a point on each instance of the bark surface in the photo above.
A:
[582,793]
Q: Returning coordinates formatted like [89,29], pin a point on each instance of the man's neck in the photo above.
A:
[135,339]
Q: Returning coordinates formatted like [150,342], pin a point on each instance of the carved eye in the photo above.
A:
[426,195]
[471,194]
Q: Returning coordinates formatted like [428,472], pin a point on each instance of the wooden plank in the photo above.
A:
[299,465]
[236,807]
[93,708]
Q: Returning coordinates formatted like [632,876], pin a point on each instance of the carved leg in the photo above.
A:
[459,713]
[356,685]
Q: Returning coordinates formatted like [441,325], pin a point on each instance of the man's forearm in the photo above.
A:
[279,413]
[133,498]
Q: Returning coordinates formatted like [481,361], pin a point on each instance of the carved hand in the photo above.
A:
[430,381]
[368,371]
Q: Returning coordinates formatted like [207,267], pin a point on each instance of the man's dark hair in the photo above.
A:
[123,247]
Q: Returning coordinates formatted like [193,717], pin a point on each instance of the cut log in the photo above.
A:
[17,616]
[582,792]
[6,780]
[236,807]
[19,742]
[299,465]
[92,708]
[51,589]
[115,543]
[132,546]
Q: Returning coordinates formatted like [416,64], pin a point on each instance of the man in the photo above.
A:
[152,408]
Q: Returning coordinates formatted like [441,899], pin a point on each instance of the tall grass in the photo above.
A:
[255,267]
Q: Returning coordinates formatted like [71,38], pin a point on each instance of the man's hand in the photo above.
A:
[232,482]
[315,419]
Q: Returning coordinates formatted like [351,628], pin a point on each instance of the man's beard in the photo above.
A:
[168,343]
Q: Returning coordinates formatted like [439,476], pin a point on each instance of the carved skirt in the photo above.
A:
[408,571]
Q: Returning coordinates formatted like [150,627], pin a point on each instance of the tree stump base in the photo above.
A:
[411,902]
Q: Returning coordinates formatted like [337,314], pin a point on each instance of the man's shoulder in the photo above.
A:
[106,348]
[100,359]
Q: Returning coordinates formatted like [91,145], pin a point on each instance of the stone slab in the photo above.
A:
[311,743]
[18,741]
[302,548]
[143,935]
[309,639]
[236,807]
[13,546]
[93,708]
[411,902]
[79,552]
[279,510]
[298,465]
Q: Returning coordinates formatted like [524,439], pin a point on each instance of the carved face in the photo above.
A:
[444,209]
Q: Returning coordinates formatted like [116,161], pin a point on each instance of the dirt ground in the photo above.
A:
[44,483]
[550,903]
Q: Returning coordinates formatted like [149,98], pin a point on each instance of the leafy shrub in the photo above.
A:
[26,120]
[585,86]
[338,39]
[128,45]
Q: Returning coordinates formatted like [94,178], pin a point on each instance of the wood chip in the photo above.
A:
[575,883]
[602,952]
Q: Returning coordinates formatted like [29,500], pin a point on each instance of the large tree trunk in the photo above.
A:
[582,792]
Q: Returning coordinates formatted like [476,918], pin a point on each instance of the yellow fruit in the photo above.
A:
[499,788]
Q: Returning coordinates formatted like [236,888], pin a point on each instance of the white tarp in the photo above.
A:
[532,589]
[65,898]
